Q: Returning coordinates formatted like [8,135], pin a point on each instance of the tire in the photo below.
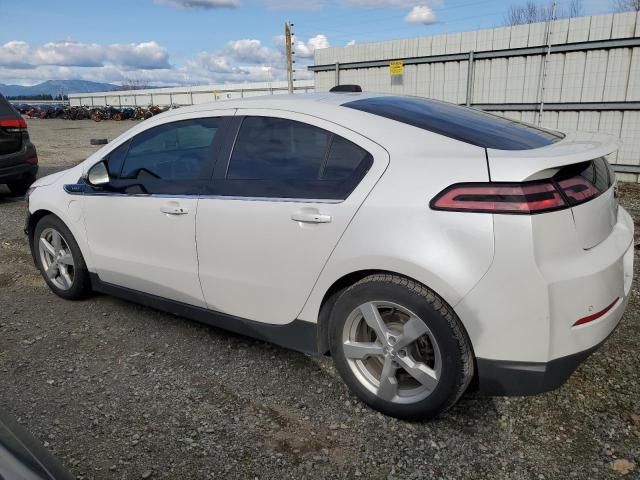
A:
[19,187]
[422,378]
[69,277]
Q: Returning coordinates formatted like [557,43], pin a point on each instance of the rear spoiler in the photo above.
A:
[539,163]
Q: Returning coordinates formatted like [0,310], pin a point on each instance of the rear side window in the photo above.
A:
[276,148]
[343,159]
[460,123]
[174,151]
[282,158]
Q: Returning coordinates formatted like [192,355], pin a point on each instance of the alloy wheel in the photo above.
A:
[392,352]
[56,257]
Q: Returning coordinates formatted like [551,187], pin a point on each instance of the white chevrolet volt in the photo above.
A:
[425,246]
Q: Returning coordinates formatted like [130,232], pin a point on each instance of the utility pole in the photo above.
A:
[288,38]
[543,72]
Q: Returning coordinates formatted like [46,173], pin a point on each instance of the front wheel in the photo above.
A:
[400,347]
[59,259]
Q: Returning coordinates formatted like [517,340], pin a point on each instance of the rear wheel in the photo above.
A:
[20,187]
[400,347]
[59,259]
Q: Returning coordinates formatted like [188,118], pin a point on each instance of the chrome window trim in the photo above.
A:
[270,199]
[70,191]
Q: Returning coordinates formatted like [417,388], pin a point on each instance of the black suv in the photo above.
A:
[18,158]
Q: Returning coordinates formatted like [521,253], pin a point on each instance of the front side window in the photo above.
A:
[115,160]
[172,152]
[277,157]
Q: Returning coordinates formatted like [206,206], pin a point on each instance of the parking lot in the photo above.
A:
[116,390]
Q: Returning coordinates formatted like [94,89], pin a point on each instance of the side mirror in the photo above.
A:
[98,175]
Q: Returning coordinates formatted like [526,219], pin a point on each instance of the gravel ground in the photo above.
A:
[121,391]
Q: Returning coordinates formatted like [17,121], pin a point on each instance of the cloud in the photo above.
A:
[243,60]
[15,54]
[421,14]
[294,4]
[146,55]
[383,3]
[251,51]
[302,49]
[203,4]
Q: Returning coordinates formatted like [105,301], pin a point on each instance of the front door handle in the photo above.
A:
[173,208]
[310,217]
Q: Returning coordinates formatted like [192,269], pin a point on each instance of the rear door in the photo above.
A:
[284,192]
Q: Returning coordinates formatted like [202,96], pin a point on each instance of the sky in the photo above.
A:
[191,42]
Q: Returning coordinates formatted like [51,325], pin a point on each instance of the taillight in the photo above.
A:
[32,160]
[518,198]
[13,124]
[578,189]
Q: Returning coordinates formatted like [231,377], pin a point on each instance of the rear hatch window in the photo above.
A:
[460,123]
[10,133]
[587,188]
[582,182]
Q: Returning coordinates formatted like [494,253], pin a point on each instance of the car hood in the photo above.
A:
[49,179]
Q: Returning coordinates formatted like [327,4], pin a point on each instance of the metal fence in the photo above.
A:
[31,101]
[178,96]
[584,72]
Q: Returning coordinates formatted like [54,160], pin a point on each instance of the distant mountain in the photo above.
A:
[54,87]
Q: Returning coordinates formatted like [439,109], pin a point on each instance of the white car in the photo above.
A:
[422,244]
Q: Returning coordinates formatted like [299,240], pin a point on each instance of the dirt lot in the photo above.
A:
[121,391]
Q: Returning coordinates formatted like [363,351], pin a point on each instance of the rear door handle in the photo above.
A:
[174,209]
[311,217]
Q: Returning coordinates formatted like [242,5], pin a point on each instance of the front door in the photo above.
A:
[142,227]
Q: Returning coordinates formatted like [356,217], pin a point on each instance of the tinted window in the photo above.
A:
[461,123]
[175,151]
[344,158]
[280,158]
[276,148]
[116,159]
[7,110]
[597,174]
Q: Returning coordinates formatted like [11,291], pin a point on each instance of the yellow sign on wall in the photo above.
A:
[396,69]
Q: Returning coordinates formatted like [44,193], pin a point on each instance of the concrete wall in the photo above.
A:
[185,95]
[595,75]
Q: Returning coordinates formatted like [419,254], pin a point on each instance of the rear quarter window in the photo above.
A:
[460,123]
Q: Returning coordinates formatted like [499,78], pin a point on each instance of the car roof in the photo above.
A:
[300,102]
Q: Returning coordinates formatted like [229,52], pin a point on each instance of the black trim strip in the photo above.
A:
[558,107]
[505,378]
[297,335]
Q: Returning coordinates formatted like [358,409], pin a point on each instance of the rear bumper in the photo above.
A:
[504,378]
[546,303]
[14,167]
[17,172]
